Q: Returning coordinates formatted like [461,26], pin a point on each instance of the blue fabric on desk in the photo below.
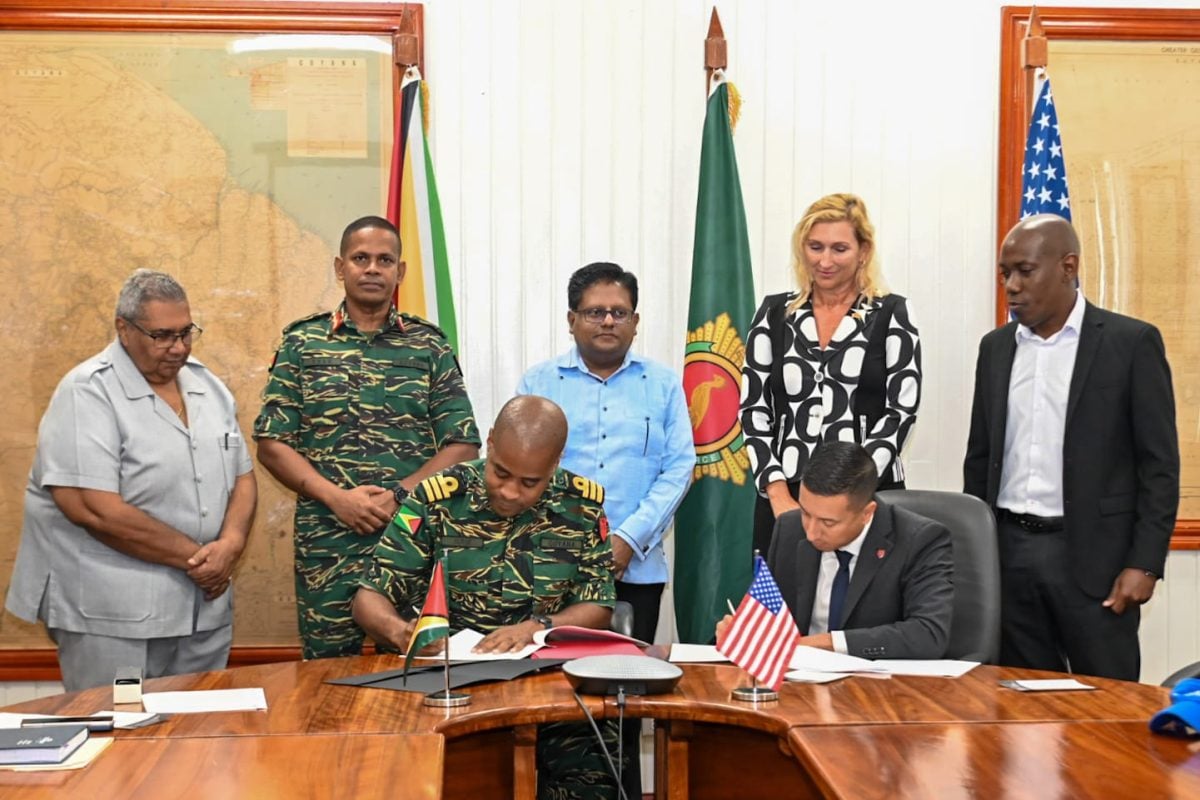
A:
[1182,717]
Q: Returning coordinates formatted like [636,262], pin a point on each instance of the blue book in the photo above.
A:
[49,745]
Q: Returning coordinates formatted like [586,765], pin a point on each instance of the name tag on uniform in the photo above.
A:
[462,541]
[321,361]
[555,543]
[406,363]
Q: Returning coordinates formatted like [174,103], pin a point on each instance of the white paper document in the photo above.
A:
[696,654]
[814,659]
[935,668]
[462,642]
[807,676]
[205,700]
[1047,685]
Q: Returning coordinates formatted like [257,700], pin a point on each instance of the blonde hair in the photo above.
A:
[838,208]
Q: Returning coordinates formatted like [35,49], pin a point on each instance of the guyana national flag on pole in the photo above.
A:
[713,525]
[434,622]
[413,206]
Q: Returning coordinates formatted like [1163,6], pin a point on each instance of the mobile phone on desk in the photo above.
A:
[94,724]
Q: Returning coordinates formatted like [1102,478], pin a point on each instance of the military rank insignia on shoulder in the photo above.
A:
[585,487]
[291,326]
[441,486]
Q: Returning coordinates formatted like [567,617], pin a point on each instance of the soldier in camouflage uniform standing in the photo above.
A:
[361,405]
[527,548]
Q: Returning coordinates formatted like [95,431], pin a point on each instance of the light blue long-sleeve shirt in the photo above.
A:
[632,435]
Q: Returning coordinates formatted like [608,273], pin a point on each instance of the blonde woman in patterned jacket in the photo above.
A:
[839,359]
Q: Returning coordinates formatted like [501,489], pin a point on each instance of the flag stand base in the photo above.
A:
[443,699]
[754,694]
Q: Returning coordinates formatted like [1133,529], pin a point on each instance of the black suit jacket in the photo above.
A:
[901,593]
[1120,448]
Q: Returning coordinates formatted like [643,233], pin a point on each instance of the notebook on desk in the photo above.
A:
[48,745]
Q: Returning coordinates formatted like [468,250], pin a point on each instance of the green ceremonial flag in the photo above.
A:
[713,525]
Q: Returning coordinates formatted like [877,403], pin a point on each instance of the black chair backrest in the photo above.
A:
[975,625]
[622,618]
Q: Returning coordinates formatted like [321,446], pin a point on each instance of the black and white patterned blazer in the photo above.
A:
[820,388]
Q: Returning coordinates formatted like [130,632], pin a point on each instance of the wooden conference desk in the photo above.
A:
[320,740]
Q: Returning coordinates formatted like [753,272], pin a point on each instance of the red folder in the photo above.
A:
[572,641]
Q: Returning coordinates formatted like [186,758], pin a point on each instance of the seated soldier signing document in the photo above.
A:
[527,548]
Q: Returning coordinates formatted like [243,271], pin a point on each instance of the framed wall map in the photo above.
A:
[1125,83]
[225,143]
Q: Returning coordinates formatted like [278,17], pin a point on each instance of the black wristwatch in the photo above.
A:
[400,493]
[543,620]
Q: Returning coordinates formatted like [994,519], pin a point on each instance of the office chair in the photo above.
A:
[622,618]
[975,624]
[1190,671]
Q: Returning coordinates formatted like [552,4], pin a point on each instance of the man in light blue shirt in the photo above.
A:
[629,429]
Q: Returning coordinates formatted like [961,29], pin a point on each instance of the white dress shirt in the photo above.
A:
[819,622]
[1031,475]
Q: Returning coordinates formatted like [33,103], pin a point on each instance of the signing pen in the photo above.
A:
[729,603]
[92,723]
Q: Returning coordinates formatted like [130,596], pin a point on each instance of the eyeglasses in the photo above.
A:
[165,340]
[596,316]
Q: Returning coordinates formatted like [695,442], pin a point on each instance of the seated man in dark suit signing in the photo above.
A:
[860,576]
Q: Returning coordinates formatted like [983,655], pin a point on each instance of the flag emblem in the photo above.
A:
[763,634]
[712,378]
[408,521]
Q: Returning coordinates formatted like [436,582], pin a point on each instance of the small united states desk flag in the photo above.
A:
[1044,180]
[763,634]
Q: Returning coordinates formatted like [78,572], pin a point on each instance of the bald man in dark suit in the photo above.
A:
[1073,443]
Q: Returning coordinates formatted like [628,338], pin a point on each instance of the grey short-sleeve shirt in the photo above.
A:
[105,429]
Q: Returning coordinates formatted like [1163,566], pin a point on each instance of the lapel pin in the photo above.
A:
[880,553]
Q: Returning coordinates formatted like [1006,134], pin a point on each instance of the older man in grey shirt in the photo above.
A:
[139,502]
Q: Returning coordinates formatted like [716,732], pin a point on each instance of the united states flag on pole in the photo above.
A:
[1044,180]
[763,634]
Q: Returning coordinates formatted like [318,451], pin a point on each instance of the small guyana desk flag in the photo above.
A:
[434,622]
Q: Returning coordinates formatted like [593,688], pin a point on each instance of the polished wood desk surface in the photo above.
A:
[299,702]
[704,696]
[704,741]
[1038,761]
[320,766]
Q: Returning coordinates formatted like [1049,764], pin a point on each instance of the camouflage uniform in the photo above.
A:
[500,571]
[363,409]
